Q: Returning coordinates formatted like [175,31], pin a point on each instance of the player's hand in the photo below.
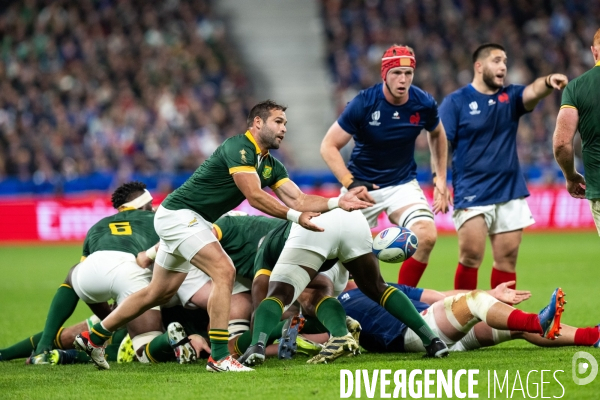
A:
[305,221]
[357,183]
[356,199]
[576,186]
[362,193]
[442,198]
[199,344]
[143,260]
[558,81]
[507,295]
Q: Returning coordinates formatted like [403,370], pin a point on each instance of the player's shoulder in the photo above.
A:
[370,95]
[236,141]
[420,95]
[460,93]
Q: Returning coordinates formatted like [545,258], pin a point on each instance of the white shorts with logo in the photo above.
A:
[195,280]
[392,198]
[346,236]
[595,207]
[502,217]
[106,275]
[182,234]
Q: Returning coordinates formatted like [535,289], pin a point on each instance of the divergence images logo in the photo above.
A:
[375,117]
[474,108]
[579,369]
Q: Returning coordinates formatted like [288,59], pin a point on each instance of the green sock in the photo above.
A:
[111,351]
[267,315]
[400,306]
[219,338]
[159,349]
[243,341]
[118,336]
[313,325]
[21,349]
[99,335]
[332,315]
[62,306]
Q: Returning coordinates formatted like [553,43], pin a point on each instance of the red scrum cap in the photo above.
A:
[397,56]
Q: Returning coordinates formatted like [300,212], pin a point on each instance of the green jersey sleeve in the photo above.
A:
[568,99]
[86,248]
[239,156]
[280,174]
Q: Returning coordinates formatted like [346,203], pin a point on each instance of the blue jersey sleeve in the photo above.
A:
[449,117]
[353,116]
[412,293]
[433,118]
[516,94]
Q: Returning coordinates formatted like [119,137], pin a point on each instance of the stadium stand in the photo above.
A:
[540,37]
[94,93]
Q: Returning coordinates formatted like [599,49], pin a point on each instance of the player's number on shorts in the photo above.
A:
[120,228]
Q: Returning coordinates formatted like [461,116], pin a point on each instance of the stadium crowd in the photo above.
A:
[114,86]
[540,37]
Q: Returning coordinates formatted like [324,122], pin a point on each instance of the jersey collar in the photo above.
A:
[127,209]
[597,64]
[251,138]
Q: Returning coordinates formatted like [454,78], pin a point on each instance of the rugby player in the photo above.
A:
[481,121]
[298,255]
[444,313]
[384,121]
[580,111]
[237,170]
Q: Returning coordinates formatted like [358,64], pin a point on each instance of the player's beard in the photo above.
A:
[269,138]
[488,79]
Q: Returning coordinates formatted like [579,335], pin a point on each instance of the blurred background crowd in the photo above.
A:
[125,87]
[540,37]
[96,92]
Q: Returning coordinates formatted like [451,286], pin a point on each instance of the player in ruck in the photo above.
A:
[237,170]
[481,121]
[384,121]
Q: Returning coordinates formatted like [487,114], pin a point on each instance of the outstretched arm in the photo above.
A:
[542,87]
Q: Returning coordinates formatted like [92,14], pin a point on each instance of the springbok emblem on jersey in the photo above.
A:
[375,117]
[243,153]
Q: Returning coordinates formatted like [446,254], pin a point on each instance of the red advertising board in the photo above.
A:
[58,219]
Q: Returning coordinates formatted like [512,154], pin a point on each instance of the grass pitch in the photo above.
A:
[29,277]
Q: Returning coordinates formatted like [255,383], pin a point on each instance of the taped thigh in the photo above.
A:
[293,275]
[306,258]
[415,213]
[237,327]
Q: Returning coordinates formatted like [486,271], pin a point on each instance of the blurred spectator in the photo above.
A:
[117,86]
[540,37]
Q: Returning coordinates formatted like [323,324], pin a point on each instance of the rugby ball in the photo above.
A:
[394,245]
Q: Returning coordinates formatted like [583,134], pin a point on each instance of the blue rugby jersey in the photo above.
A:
[381,331]
[482,130]
[385,134]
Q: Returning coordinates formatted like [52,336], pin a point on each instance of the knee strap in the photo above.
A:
[418,212]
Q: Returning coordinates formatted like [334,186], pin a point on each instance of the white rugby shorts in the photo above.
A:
[106,275]
[346,236]
[502,217]
[392,198]
[195,280]
[182,234]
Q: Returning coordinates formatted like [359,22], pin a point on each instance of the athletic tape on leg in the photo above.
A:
[418,212]
[141,340]
[238,326]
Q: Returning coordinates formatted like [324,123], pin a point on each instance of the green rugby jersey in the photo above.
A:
[239,237]
[583,94]
[211,190]
[129,231]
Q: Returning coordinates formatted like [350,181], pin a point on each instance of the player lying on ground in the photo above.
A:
[301,254]
[448,317]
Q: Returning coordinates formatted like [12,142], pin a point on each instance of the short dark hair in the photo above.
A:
[123,193]
[484,50]
[263,110]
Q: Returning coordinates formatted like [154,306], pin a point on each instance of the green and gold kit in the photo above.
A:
[129,231]
[583,94]
[211,190]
